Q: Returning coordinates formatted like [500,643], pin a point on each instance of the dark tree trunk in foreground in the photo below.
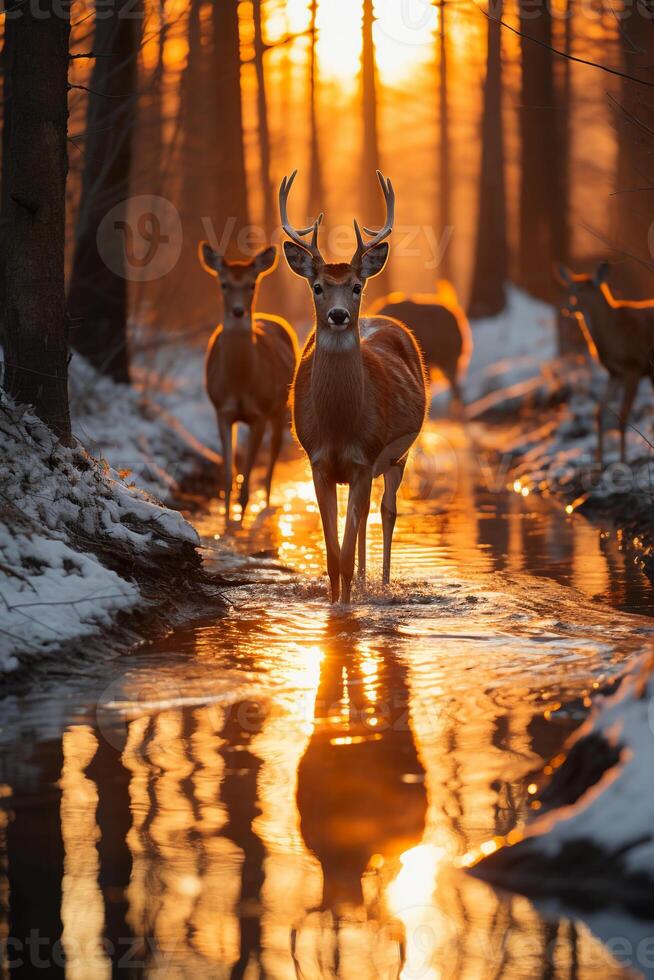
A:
[539,165]
[36,168]
[229,174]
[4,181]
[444,173]
[98,297]
[488,294]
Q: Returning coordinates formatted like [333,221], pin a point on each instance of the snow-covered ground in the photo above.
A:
[595,838]
[156,439]
[77,543]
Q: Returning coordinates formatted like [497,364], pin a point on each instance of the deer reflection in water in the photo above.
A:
[360,794]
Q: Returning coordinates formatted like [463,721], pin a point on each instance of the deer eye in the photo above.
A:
[317,289]
[357,290]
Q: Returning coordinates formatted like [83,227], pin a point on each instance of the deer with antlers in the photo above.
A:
[251,360]
[621,333]
[359,395]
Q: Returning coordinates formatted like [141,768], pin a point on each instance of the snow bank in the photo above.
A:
[78,546]
[139,437]
[510,347]
[594,834]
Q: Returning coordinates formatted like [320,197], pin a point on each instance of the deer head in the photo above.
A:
[337,287]
[582,288]
[238,281]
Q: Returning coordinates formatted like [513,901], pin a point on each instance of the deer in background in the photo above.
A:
[439,325]
[359,395]
[622,333]
[251,360]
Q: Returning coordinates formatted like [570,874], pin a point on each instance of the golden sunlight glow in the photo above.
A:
[416,881]
[404,36]
[339,40]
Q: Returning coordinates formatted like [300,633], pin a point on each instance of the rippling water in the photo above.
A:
[289,791]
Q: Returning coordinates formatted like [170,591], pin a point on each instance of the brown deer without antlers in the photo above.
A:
[359,395]
[441,329]
[250,364]
[622,333]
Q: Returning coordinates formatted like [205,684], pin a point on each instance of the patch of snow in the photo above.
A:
[75,540]
[616,813]
[510,347]
[138,436]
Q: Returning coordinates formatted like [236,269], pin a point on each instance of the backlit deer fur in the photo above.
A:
[251,360]
[439,325]
[622,335]
[359,394]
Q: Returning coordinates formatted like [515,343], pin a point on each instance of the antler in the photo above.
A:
[297,234]
[378,236]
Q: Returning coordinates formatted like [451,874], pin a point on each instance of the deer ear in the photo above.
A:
[602,273]
[265,261]
[562,275]
[374,260]
[300,261]
[210,261]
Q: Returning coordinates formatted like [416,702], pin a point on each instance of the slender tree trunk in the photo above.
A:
[488,295]
[444,219]
[269,214]
[196,165]
[634,121]
[539,178]
[562,226]
[98,297]
[371,198]
[35,170]
[316,185]
[231,213]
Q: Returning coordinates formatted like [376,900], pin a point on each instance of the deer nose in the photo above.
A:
[338,316]
[238,311]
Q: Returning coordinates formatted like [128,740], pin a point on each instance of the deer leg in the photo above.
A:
[630,389]
[363,527]
[254,441]
[225,429]
[392,480]
[602,411]
[358,503]
[328,505]
[275,445]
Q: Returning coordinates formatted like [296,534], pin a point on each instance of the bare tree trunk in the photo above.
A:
[269,213]
[539,178]
[98,296]
[316,185]
[231,213]
[35,170]
[444,219]
[4,178]
[562,227]
[488,294]
[372,204]
[634,119]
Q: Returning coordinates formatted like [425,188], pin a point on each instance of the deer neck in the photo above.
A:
[238,347]
[599,314]
[338,380]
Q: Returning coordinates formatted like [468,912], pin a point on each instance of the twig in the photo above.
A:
[563,54]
